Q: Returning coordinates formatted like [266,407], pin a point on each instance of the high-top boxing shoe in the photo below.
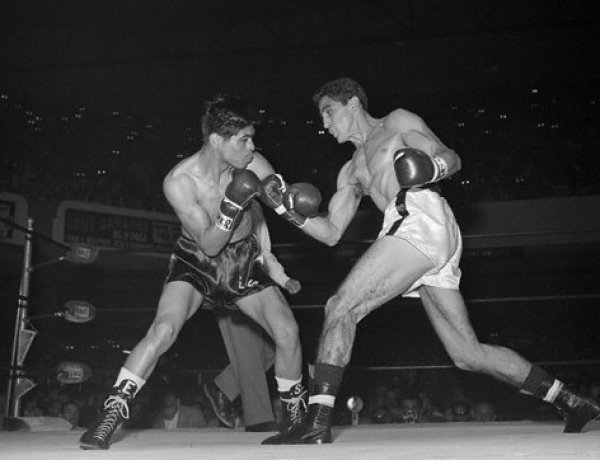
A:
[293,408]
[113,413]
[576,410]
[316,426]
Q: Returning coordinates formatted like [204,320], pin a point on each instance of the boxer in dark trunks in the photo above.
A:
[215,263]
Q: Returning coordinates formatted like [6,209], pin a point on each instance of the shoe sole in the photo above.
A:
[215,408]
[91,447]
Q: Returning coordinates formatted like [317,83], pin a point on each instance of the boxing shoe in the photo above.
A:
[576,410]
[220,404]
[293,410]
[315,429]
[114,411]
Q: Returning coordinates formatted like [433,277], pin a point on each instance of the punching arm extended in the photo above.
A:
[341,210]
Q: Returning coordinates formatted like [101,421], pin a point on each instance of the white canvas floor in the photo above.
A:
[501,440]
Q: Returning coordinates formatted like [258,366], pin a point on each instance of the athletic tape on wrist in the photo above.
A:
[224,222]
[280,209]
[441,168]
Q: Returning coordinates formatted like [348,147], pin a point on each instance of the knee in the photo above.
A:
[336,313]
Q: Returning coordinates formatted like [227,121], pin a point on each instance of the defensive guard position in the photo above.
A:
[217,263]
[397,161]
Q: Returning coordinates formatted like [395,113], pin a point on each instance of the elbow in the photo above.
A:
[332,239]
[330,242]
[458,163]
[211,251]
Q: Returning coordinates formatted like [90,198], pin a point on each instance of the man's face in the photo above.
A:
[238,150]
[337,118]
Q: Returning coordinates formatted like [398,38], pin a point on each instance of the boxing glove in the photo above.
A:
[414,167]
[244,187]
[294,204]
[302,199]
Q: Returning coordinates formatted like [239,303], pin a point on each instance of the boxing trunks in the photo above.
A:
[423,218]
[235,272]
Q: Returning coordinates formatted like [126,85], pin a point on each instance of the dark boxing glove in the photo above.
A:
[295,203]
[302,200]
[244,187]
[414,168]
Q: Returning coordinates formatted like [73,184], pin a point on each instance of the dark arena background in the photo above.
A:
[98,100]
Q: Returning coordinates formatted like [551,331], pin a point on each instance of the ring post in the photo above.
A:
[18,384]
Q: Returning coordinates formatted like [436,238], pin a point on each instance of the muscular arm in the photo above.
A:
[341,210]
[180,193]
[416,134]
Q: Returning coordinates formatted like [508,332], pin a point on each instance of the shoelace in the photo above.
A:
[116,407]
[296,406]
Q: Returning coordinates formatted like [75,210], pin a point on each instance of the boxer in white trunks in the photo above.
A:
[397,162]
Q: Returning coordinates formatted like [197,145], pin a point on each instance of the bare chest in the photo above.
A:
[372,167]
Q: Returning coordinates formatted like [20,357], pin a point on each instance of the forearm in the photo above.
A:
[321,229]
[274,269]
[212,240]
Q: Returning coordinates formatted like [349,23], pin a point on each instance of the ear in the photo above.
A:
[215,140]
[354,103]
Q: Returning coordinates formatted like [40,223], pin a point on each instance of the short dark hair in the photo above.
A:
[226,115]
[342,90]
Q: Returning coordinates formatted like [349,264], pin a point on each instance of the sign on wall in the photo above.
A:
[112,227]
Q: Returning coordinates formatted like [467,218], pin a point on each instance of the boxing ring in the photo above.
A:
[453,440]
[457,440]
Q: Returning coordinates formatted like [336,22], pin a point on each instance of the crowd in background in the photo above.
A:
[517,144]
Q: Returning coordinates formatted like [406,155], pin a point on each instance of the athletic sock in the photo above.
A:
[541,385]
[125,374]
[284,385]
[327,381]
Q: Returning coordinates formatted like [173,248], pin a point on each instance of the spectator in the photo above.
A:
[70,412]
[172,414]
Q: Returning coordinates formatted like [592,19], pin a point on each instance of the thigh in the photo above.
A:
[268,308]
[178,302]
[387,269]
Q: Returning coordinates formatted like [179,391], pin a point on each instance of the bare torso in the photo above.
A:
[371,166]
[208,191]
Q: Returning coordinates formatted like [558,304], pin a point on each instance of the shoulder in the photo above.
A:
[401,120]
[261,166]
[176,181]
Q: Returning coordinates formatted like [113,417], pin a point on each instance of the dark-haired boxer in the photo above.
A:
[216,263]
[417,253]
